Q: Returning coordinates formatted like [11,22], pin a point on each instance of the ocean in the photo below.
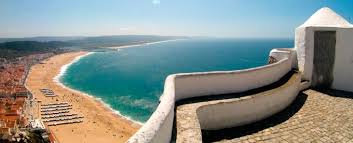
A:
[130,80]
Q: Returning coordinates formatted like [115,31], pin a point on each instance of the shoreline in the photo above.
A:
[100,120]
[64,68]
[62,72]
[142,44]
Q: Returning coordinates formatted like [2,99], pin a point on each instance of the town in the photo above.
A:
[16,102]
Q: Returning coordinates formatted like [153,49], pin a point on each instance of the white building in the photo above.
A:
[324,45]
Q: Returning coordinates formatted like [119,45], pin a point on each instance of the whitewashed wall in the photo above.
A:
[248,109]
[214,83]
[343,67]
[303,42]
[158,129]
[282,53]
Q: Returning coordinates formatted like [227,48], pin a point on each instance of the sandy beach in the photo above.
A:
[100,124]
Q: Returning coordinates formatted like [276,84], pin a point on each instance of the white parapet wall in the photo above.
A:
[282,53]
[248,109]
[158,129]
[214,83]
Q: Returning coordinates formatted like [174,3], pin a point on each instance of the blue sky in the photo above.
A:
[217,18]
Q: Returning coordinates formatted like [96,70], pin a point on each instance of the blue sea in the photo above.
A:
[131,80]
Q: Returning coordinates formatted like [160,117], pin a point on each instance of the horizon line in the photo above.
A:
[192,36]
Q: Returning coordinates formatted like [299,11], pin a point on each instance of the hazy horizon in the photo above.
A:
[226,18]
[78,36]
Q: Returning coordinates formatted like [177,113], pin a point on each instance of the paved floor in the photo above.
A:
[325,116]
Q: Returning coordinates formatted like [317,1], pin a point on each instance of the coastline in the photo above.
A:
[142,44]
[64,68]
[101,123]
[62,72]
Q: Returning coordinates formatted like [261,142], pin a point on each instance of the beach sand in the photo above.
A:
[100,125]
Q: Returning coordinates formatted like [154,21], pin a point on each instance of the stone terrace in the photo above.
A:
[188,128]
[325,116]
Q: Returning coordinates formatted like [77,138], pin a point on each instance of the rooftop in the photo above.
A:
[326,17]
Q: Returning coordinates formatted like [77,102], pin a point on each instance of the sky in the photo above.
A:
[212,18]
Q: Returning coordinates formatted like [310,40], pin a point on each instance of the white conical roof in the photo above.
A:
[326,17]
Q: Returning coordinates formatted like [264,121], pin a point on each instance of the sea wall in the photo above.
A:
[186,85]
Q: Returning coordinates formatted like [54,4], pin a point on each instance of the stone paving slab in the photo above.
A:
[321,117]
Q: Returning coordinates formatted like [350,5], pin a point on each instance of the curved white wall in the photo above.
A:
[158,128]
[215,83]
[248,109]
[180,86]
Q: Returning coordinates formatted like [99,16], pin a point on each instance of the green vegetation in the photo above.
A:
[9,50]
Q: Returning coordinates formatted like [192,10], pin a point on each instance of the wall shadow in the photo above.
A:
[236,132]
[335,93]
